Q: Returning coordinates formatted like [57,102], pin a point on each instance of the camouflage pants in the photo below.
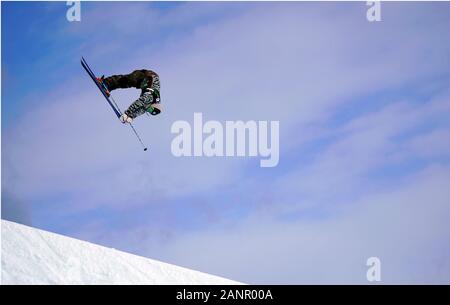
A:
[137,79]
[140,79]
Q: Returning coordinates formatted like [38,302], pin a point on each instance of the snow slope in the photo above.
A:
[32,256]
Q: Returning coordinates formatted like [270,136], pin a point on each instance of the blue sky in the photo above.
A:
[364,126]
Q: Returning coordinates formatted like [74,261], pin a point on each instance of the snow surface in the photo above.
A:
[32,256]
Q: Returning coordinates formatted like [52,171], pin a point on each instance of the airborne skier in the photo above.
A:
[149,100]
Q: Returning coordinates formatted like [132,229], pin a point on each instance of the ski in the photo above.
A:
[94,79]
[109,99]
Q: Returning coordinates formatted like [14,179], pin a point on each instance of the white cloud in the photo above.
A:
[432,144]
[406,228]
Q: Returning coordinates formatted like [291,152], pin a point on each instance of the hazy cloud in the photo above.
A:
[363,110]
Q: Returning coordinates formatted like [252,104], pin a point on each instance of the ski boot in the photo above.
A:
[101,81]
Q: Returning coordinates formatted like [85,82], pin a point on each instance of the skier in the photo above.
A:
[149,100]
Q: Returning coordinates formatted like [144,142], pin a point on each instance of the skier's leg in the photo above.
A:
[118,81]
[124,81]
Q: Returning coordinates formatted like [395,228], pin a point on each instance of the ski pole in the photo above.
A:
[132,127]
[139,138]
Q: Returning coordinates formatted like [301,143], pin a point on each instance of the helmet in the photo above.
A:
[154,109]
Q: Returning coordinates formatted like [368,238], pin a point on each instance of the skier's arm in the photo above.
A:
[146,102]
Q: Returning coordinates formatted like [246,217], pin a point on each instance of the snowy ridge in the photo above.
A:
[32,256]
